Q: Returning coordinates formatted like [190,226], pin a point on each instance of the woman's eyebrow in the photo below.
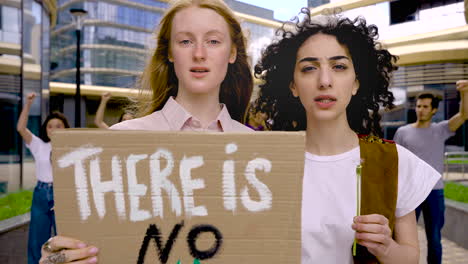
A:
[189,33]
[312,59]
[340,57]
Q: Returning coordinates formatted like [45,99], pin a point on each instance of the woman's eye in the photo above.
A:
[340,67]
[213,42]
[308,68]
[185,42]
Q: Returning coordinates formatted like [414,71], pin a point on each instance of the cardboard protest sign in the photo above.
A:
[165,197]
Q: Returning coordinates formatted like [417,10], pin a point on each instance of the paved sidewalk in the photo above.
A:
[452,253]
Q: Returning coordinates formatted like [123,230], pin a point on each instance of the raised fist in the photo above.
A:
[106,96]
[30,97]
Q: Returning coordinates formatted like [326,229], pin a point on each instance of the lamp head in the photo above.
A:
[78,12]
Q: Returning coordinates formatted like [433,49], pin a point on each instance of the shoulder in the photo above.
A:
[416,179]
[149,122]
[412,166]
[404,153]
[405,127]
[402,132]
[35,142]
[441,125]
[239,127]
[443,128]
[375,140]
[39,147]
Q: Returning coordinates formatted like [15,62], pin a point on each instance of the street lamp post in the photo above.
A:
[78,15]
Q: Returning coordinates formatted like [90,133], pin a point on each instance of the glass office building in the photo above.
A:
[117,38]
[24,68]
[37,54]
[114,43]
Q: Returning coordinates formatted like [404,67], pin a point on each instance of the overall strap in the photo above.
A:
[379,184]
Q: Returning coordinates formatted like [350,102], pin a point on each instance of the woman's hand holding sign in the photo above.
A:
[61,249]
[373,232]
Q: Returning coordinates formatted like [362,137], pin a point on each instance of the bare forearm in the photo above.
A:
[23,118]
[401,254]
[456,121]
[21,126]
[99,119]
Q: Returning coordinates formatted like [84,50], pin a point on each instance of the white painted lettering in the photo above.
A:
[135,190]
[263,190]
[159,181]
[100,188]
[189,184]
[76,158]
[229,184]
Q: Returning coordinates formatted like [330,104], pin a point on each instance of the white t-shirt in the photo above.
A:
[41,152]
[329,201]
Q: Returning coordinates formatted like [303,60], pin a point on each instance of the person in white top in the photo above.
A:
[99,118]
[329,77]
[198,78]
[42,224]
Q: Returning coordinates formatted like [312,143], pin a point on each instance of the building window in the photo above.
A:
[426,4]
[403,11]
[408,10]
[316,3]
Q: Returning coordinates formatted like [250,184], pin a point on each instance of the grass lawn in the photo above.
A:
[460,161]
[15,204]
[456,191]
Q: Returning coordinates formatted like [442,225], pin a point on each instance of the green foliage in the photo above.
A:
[15,204]
[456,191]
[195,261]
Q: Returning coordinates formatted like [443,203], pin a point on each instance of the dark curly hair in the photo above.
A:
[53,115]
[373,67]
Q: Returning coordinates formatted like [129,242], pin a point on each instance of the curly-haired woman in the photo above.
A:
[329,76]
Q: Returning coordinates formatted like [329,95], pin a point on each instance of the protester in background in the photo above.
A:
[415,137]
[198,78]
[42,224]
[329,76]
[99,119]
[257,116]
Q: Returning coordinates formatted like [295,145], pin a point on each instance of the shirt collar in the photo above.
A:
[224,118]
[176,116]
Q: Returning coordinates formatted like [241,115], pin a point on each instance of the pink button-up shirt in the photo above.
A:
[173,117]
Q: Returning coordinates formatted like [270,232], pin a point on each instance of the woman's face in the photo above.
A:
[260,117]
[127,116]
[324,78]
[201,49]
[54,124]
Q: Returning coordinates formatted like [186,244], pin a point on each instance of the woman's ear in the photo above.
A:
[355,87]
[292,87]
[233,55]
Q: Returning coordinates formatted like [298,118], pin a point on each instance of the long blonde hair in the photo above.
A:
[158,81]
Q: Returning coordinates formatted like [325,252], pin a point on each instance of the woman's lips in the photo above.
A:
[199,72]
[325,101]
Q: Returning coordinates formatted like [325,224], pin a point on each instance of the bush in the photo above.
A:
[15,204]
[456,191]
